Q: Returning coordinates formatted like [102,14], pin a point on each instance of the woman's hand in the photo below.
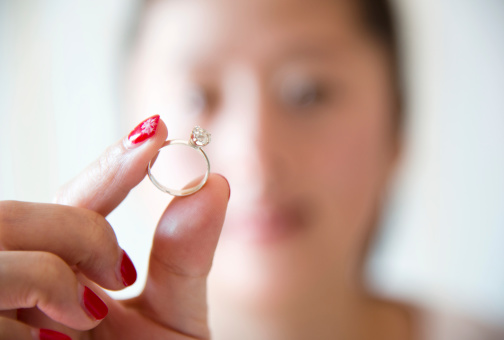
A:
[55,257]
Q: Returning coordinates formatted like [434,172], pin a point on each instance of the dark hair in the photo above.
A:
[378,16]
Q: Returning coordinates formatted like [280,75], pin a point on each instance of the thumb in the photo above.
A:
[181,258]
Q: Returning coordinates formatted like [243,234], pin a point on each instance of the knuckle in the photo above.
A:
[103,170]
[175,268]
[107,161]
[49,264]
[47,268]
[103,164]
[102,229]
[103,237]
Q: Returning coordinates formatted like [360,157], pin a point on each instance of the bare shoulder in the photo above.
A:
[393,320]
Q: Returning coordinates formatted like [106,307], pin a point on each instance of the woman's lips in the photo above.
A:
[262,226]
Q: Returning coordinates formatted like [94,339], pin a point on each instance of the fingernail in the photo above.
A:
[128,271]
[229,194]
[95,306]
[47,334]
[143,131]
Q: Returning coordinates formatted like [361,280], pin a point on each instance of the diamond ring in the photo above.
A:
[199,138]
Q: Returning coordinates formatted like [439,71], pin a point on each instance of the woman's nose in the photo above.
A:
[246,134]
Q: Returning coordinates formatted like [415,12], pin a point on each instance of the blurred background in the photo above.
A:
[442,241]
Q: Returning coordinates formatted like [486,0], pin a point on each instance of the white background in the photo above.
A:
[443,239]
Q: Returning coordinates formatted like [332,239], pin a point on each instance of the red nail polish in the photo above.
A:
[144,130]
[47,334]
[128,271]
[95,306]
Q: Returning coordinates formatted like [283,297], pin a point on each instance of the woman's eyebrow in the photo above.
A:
[311,51]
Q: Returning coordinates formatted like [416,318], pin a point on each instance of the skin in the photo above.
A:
[298,96]
[306,174]
[52,250]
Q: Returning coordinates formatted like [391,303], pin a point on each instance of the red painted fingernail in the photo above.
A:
[95,306]
[128,271]
[47,334]
[144,130]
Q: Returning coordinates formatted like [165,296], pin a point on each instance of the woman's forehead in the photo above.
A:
[193,28]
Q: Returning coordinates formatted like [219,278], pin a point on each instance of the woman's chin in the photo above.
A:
[259,277]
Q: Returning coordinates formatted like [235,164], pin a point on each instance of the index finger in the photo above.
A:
[107,181]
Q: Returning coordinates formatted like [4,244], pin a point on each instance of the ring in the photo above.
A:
[199,138]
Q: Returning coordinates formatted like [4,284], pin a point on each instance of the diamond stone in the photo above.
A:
[200,137]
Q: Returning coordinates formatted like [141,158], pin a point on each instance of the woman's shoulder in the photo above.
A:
[393,320]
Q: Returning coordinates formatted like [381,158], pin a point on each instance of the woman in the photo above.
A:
[302,99]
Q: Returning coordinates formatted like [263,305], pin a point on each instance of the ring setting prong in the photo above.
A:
[200,137]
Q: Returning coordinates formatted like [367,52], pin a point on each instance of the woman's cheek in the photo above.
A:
[348,170]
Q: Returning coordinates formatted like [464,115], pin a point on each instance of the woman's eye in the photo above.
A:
[202,100]
[302,94]
[197,100]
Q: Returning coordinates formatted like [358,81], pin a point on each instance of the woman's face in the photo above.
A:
[298,98]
